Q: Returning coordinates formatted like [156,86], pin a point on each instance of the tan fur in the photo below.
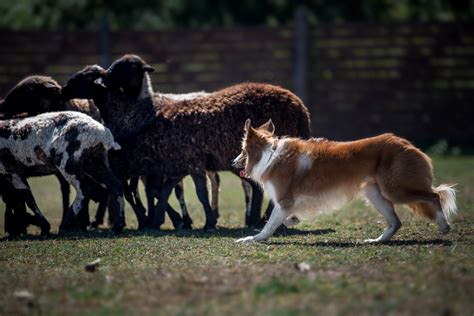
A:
[423,209]
[304,177]
[401,171]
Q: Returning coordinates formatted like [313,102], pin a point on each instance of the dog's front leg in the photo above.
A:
[276,219]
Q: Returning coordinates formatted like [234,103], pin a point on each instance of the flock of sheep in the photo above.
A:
[127,133]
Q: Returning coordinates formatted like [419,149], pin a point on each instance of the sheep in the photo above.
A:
[65,142]
[39,94]
[162,136]
[16,217]
[82,85]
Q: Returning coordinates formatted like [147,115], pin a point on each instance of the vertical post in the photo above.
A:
[301,52]
[104,42]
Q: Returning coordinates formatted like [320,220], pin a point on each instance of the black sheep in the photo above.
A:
[174,138]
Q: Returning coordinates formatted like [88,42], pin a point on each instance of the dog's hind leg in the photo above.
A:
[276,219]
[384,206]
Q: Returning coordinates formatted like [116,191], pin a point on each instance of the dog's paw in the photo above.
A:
[373,241]
[248,239]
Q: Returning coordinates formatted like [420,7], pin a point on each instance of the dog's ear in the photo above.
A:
[268,126]
[247,126]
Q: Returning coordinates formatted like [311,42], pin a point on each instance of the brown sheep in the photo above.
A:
[174,138]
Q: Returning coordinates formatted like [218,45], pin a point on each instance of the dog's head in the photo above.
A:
[254,143]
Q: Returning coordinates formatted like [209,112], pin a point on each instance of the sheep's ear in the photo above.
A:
[148,68]
[268,126]
[247,125]
[100,81]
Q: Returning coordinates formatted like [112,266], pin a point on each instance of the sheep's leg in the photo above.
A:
[203,196]
[174,216]
[16,217]
[154,187]
[257,199]
[65,191]
[14,224]
[103,174]
[163,205]
[136,195]
[78,181]
[215,182]
[139,213]
[24,191]
[83,220]
[150,187]
[248,195]
[179,192]
[100,213]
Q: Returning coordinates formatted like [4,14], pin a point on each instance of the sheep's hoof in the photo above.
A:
[96,224]
[45,231]
[187,223]
[179,226]
[209,228]
[187,226]
[117,230]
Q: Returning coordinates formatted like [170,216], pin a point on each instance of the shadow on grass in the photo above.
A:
[196,233]
[336,244]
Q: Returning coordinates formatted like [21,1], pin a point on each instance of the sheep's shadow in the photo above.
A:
[338,244]
[195,233]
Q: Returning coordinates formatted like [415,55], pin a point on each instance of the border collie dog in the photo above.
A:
[304,177]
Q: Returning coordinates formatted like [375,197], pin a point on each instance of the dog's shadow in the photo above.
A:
[227,232]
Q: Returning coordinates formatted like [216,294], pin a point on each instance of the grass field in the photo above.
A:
[419,272]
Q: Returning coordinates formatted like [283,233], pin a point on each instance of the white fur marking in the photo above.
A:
[373,194]
[147,89]
[448,200]
[267,160]
[185,96]
[304,164]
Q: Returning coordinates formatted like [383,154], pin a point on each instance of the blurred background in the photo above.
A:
[362,67]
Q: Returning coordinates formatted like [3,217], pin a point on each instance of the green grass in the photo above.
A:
[167,272]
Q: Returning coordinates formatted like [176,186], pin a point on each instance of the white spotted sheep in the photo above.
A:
[169,138]
[31,96]
[65,142]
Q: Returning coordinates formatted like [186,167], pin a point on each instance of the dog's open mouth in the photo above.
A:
[244,174]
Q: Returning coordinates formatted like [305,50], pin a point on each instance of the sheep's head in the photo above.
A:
[130,74]
[85,84]
[31,96]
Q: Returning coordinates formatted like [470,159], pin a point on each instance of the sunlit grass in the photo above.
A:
[169,272]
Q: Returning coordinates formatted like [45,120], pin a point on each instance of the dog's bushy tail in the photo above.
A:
[447,198]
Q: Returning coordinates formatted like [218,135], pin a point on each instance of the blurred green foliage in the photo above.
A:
[143,14]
